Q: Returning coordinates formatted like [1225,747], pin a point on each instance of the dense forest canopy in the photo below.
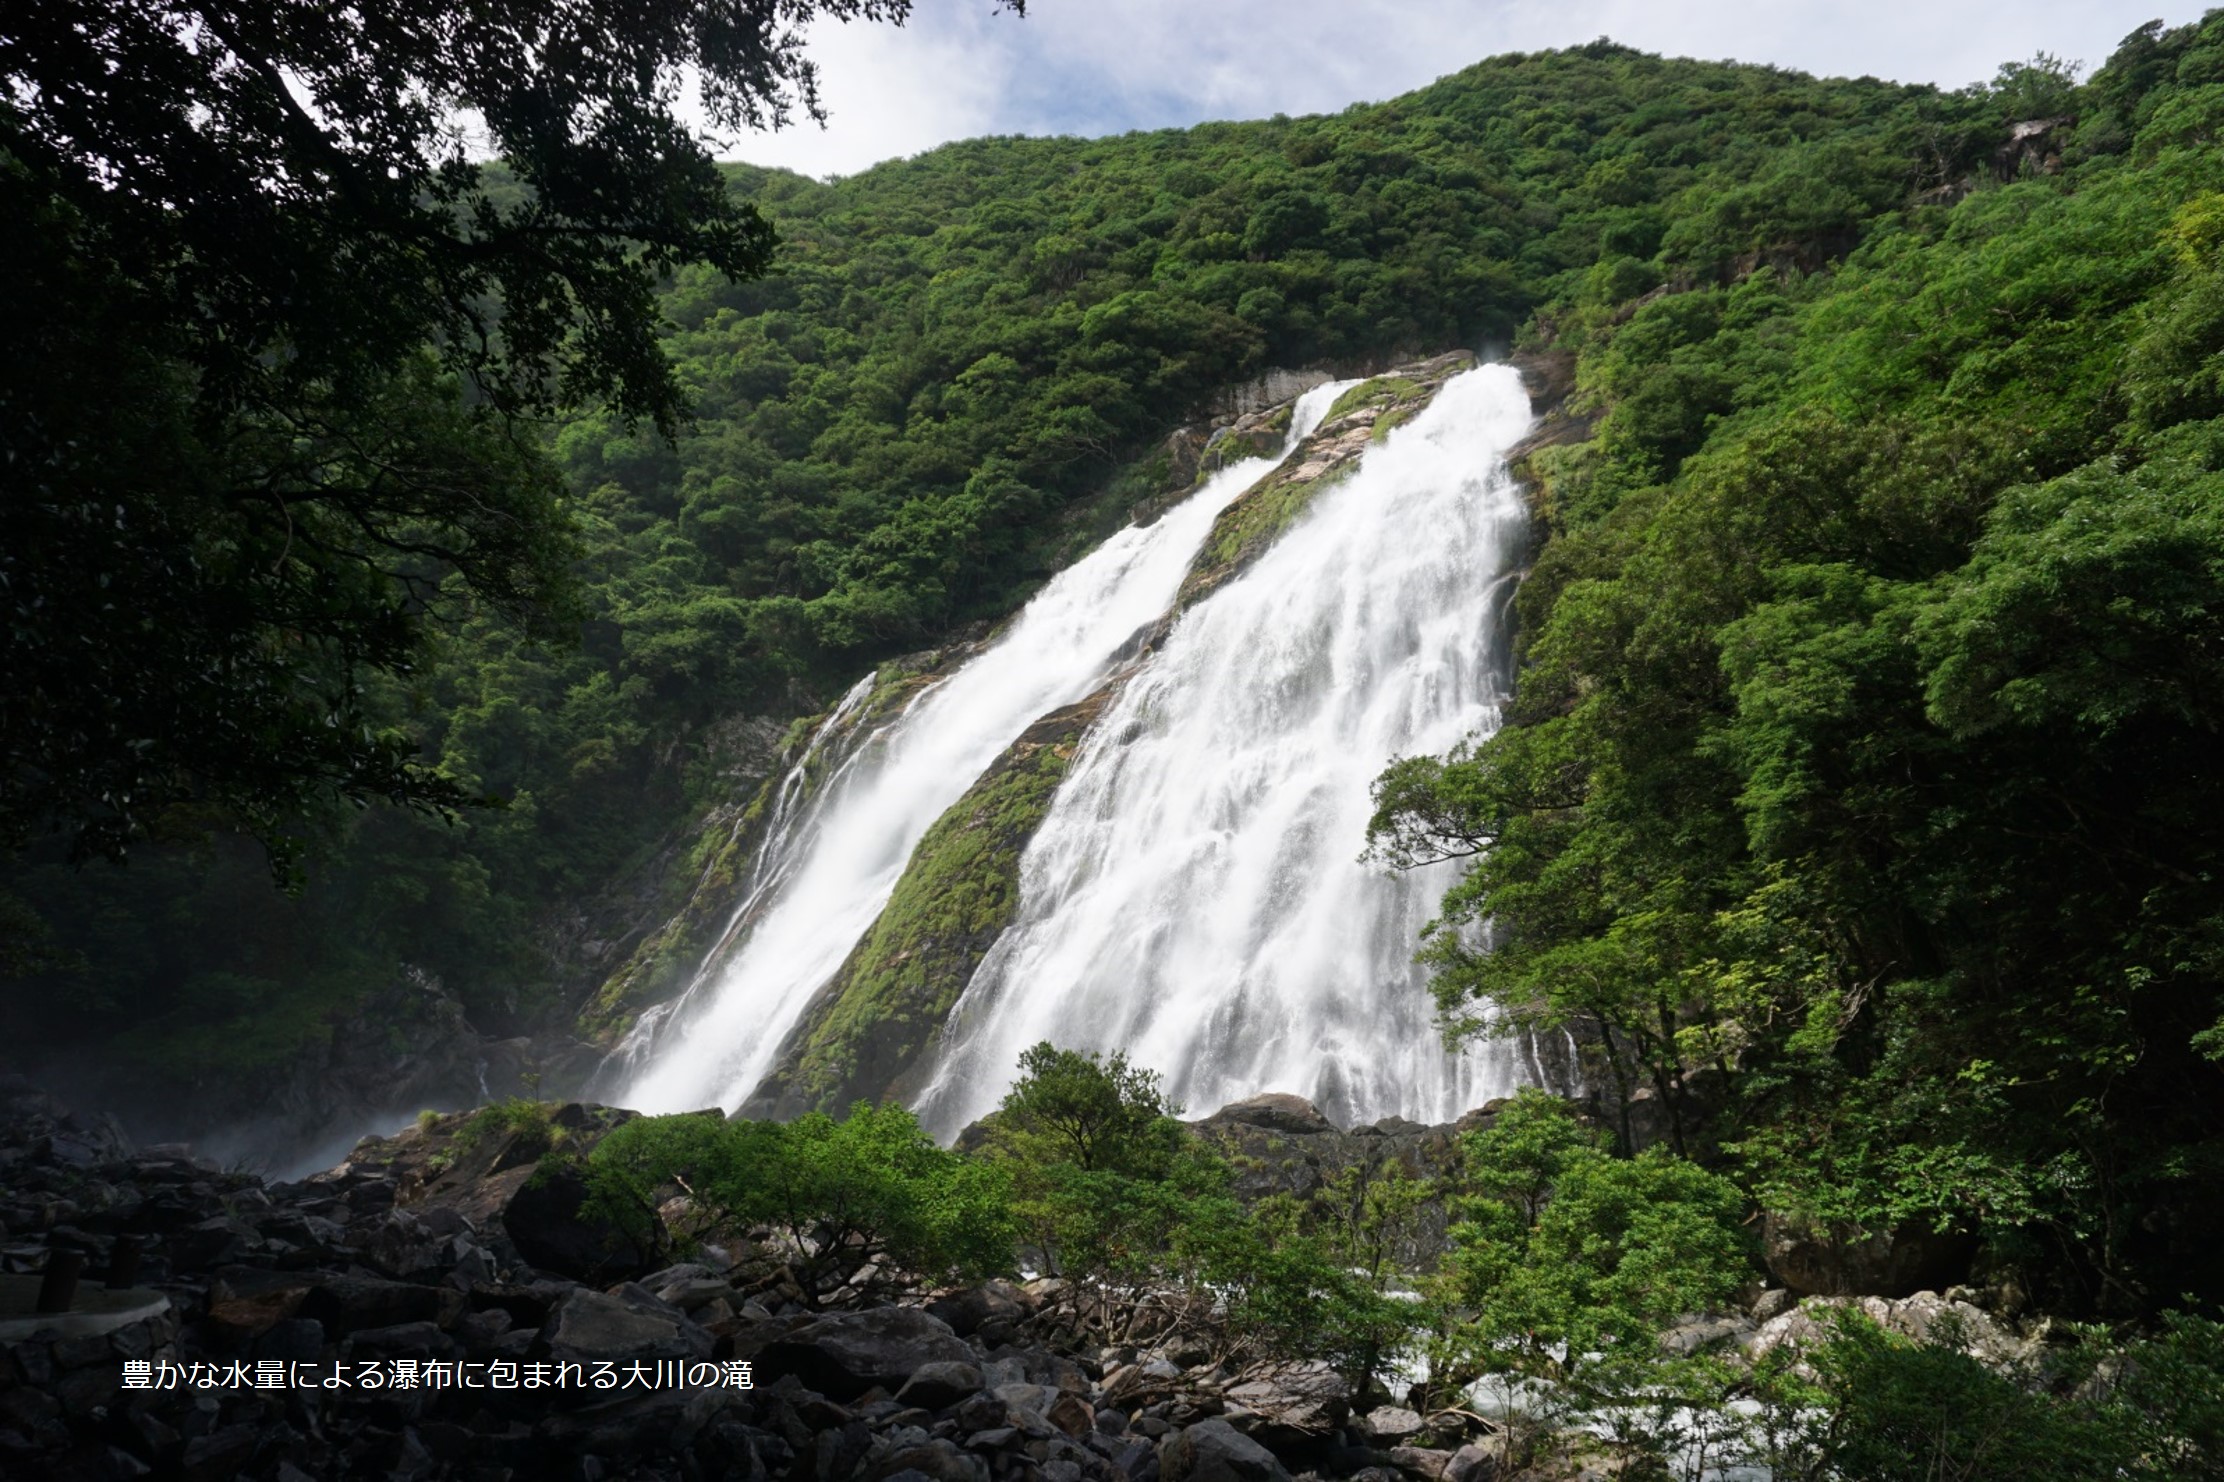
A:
[1865,754]
[1863,750]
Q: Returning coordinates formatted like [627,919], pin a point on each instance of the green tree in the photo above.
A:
[868,1189]
[1095,1112]
[1567,1262]
[276,335]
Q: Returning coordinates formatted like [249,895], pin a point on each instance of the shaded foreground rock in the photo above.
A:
[406,1260]
[623,1324]
[547,1220]
[847,1353]
[1215,1451]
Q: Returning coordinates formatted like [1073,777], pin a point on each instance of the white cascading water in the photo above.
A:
[1194,895]
[831,866]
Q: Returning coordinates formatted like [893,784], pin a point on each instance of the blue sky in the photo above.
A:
[1105,66]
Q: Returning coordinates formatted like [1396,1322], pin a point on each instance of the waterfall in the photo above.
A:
[1194,895]
[826,875]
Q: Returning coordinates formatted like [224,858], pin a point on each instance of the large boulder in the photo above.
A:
[548,1221]
[1478,1461]
[1390,1425]
[622,1324]
[1291,1404]
[846,1353]
[1926,1317]
[1835,1260]
[348,1303]
[1282,1144]
[1276,1111]
[970,1309]
[939,1385]
[1215,1451]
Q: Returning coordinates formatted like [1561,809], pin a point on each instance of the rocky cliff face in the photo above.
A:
[707,874]
[868,1027]
[1362,415]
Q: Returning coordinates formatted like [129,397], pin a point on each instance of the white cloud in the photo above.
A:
[1104,66]
[891,92]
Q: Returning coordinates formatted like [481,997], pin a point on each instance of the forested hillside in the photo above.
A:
[1854,834]
[1863,746]
[1865,763]
[952,382]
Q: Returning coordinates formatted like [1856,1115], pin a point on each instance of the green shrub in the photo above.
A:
[532,1123]
[1881,1407]
[1566,1260]
[835,1196]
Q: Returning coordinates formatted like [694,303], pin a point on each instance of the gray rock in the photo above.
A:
[1214,1451]
[1925,1317]
[1138,1462]
[348,1304]
[624,1324]
[1390,1424]
[941,1384]
[1421,1461]
[845,1354]
[1071,1414]
[1703,1333]
[968,1311]
[1293,1403]
[937,1461]
[1773,1303]
[1029,1397]
[211,1243]
[1478,1461]
[1276,1112]
[693,1292]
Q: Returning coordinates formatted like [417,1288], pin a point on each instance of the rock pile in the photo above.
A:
[381,1319]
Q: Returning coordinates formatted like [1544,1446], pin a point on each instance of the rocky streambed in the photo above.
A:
[429,1309]
[441,1306]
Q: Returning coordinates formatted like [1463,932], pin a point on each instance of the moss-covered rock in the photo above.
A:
[1254,435]
[888,1001]
[1252,523]
[1554,460]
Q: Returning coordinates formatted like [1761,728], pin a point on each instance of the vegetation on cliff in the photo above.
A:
[886,1004]
[1859,801]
